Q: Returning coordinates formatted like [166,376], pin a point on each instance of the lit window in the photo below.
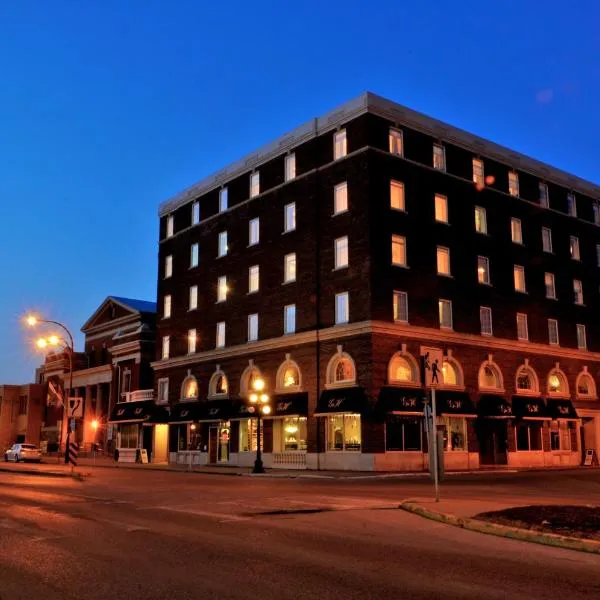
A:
[253,279]
[340,198]
[290,167]
[341,252]
[577,291]
[483,270]
[191,341]
[557,384]
[553,332]
[490,377]
[519,276]
[167,306]
[443,261]
[248,440]
[550,287]
[397,201]
[480,220]
[450,374]
[574,247]
[222,289]
[195,213]
[289,319]
[522,331]
[220,334]
[399,250]
[571,205]
[478,176]
[193,304]
[445,312]
[581,337]
[170,225]
[254,231]
[343,433]
[168,266]
[194,255]
[289,267]
[189,388]
[396,141]
[341,308]
[513,183]
[165,346]
[441,208]
[163,390]
[223,200]
[218,385]
[400,304]
[289,219]
[544,199]
[254,184]
[516,232]
[547,239]
[596,209]
[341,370]
[252,327]
[222,251]
[340,148]
[401,370]
[485,318]
[439,157]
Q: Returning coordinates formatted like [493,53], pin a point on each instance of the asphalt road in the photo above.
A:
[150,535]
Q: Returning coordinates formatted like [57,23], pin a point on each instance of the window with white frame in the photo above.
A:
[253,279]
[254,231]
[170,226]
[553,332]
[289,217]
[571,205]
[193,300]
[485,318]
[343,433]
[397,200]
[478,175]
[439,157]
[483,270]
[166,342]
[400,306]
[342,308]
[340,370]
[252,327]
[194,255]
[480,220]
[574,248]
[192,341]
[290,167]
[340,144]
[220,342]
[289,267]
[195,213]
[581,337]
[544,198]
[585,385]
[528,436]
[168,266]
[222,250]
[577,291]
[490,377]
[254,184]
[547,240]
[399,250]
[441,208]
[396,141]
[596,209]
[167,306]
[445,313]
[223,199]
[516,233]
[550,286]
[289,319]
[402,369]
[519,277]
[340,198]
[163,390]
[218,386]
[522,330]
[189,388]
[403,434]
[341,252]
[560,435]
[451,375]
[443,260]
[557,383]
[222,288]
[513,183]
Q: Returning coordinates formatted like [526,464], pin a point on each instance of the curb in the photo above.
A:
[514,533]
[38,473]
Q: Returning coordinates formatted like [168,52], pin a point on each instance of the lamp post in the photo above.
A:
[261,400]
[54,340]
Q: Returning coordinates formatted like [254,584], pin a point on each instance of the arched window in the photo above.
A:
[403,369]
[557,383]
[251,373]
[218,386]
[341,370]
[490,376]
[526,380]
[452,375]
[585,385]
[189,388]
[288,376]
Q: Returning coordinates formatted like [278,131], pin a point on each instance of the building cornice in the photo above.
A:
[111,330]
[93,375]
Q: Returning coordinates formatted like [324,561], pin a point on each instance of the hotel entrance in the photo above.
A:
[218,442]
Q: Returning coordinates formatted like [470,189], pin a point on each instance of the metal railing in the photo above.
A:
[137,396]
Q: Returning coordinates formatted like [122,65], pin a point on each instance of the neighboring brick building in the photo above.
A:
[21,414]
[327,259]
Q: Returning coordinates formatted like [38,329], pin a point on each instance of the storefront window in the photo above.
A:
[129,435]
[455,432]
[529,436]
[343,432]
[248,435]
[195,437]
[293,434]
[403,433]
[560,436]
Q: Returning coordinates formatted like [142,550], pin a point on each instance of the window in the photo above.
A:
[218,384]
[585,385]
[483,270]
[254,184]
[168,266]
[340,147]
[192,341]
[289,219]
[574,247]
[596,209]
[439,157]
[526,380]
[170,225]
[581,337]
[529,436]
[288,375]
[126,382]
[455,432]
[291,431]
[254,231]
[340,198]
[513,183]
[557,383]
[441,208]
[571,205]
[341,308]
[253,327]
[598,255]
[478,177]
[165,346]
[553,332]
[289,268]
[403,434]
[522,332]
[223,199]
[490,377]
[450,373]
[544,199]
[167,306]
[402,369]
[443,261]
[163,390]
[290,167]
[516,233]
[193,303]
[222,289]
[480,220]
[222,250]
[445,311]
[485,317]
[547,240]
[550,287]
[399,250]
[397,201]
[343,433]
[253,279]
[577,291]
[289,319]
[195,213]
[560,435]
[220,334]
[194,255]
[340,370]
[400,303]
[341,252]
[519,276]
[396,140]
[128,435]
[249,435]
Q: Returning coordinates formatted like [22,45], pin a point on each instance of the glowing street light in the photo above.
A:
[41,343]
[259,397]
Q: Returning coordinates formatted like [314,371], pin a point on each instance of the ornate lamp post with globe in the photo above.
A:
[260,399]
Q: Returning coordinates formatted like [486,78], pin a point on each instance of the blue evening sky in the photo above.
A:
[108,108]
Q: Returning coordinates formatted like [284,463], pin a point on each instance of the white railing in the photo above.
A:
[290,460]
[139,395]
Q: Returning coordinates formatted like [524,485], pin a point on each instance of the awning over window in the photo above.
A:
[529,408]
[291,404]
[561,409]
[400,400]
[243,409]
[186,412]
[342,400]
[217,410]
[494,407]
[139,412]
[454,403]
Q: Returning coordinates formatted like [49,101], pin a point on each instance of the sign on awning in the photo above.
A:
[529,408]
[450,402]
[342,400]
[291,404]
[562,409]
[494,407]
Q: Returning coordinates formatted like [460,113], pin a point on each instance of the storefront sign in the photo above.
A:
[335,402]
[408,403]
[533,409]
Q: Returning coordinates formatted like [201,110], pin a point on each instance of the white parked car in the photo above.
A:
[23,453]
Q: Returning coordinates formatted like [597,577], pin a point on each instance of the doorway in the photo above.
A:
[147,431]
[493,441]
[161,443]
[218,443]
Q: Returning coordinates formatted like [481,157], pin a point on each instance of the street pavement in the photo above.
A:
[154,534]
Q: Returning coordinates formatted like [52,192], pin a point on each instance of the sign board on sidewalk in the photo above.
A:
[590,457]
[432,360]
[143,456]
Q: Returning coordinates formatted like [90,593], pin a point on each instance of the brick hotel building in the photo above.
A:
[325,261]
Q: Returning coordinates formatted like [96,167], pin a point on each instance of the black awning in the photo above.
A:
[400,400]
[561,409]
[529,408]
[291,404]
[343,400]
[217,410]
[454,403]
[186,412]
[138,412]
[495,407]
[243,409]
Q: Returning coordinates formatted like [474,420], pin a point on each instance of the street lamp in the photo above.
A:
[261,400]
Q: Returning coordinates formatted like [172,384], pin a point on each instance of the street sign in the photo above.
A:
[73,453]
[432,360]
[76,408]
